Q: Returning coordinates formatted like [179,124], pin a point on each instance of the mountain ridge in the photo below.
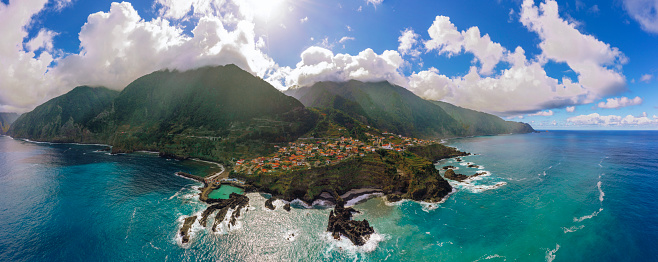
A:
[395,109]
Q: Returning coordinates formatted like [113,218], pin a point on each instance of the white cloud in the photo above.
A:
[543,113]
[644,12]
[646,78]
[345,39]
[595,62]
[619,102]
[447,40]
[23,79]
[571,109]
[304,20]
[524,87]
[320,64]
[374,2]
[611,120]
[44,39]
[118,46]
[408,41]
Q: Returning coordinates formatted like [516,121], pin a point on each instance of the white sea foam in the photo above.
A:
[580,219]
[475,188]
[444,243]
[550,254]
[492,257]
[291,235]
[572,229]
[601,194]
[397,203]
[363,197]
[429,206]
[345,245]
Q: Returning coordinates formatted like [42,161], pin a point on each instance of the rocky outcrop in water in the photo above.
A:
[235,201]
[185,230]
[287,207]
[268,203]
[448,167]
[473,166]
[341,223]
[450,174]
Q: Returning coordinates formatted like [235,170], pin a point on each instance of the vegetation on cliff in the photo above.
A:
[398,174]
[395,109]
[478,123]
[68,118]
[6,119]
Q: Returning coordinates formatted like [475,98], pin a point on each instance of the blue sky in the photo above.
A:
[576,64]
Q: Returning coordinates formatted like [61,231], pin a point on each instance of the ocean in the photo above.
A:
[550,196]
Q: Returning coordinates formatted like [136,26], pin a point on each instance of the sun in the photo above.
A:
[267,10]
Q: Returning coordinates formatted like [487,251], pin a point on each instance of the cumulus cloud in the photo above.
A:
[543,113]
[646,78]
[320,64]
[571,109]
[619,102]
[448,40]
[408,41]
[611,120]
[118,46]
[524,87]
[644,12]
[595,62]
[304,20]
[24,81]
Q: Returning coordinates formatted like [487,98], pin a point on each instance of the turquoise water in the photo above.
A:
[224,191]
[557,196]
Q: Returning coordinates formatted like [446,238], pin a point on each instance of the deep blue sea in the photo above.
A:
[551,196]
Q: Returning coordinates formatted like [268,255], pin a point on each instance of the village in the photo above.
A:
[308,153]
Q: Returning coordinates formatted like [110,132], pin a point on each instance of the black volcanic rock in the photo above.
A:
[341,223]
[235,202]
[185,230]
[287,207]
[473,166]
[268,203]
[450,174]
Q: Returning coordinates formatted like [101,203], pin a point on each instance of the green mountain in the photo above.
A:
[214,113]
[67,118]
[6,119]
[383,105]
[395,109]
[478,123]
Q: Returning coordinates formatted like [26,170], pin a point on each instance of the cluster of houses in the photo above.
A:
[304,154]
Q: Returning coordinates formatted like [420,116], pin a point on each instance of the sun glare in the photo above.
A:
[267,10]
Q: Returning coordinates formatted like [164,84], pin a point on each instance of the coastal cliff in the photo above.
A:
[398,175]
